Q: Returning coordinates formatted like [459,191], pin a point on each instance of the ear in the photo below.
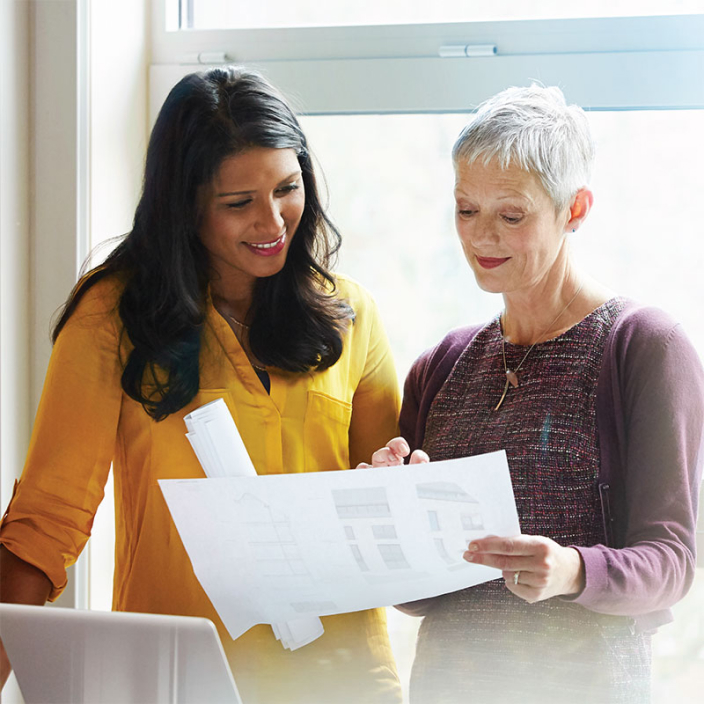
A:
[581,205]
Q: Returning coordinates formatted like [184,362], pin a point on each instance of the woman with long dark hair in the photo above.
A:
[221,289]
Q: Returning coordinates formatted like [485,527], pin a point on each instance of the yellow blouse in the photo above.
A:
[309,422]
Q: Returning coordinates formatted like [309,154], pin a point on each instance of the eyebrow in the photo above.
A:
[507,196]
[290,177]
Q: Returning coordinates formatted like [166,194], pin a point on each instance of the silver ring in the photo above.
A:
[515,577]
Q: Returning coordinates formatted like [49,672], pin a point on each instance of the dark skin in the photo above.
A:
[20,583]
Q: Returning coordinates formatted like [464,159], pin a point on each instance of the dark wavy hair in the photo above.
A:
[297,322]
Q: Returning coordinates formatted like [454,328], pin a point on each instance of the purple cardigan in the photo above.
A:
[650,420]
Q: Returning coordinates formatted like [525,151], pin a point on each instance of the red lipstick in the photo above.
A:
[491,262]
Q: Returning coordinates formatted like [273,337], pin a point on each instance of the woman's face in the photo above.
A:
[510,232]
[250,213]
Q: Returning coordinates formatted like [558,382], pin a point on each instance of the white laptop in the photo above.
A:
[63,656]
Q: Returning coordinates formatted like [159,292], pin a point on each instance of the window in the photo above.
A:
[390,192]
[393,557]
[225,14]
[433,520]
[384,532]
[359,558]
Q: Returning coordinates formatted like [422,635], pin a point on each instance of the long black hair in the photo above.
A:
[297,322]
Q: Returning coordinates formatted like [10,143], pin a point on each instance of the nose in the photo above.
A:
[478,232]
[270,220]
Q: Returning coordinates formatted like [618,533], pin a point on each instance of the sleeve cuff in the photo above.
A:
[595,578]
[16,538]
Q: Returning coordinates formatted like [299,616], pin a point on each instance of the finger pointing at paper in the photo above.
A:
[393,453]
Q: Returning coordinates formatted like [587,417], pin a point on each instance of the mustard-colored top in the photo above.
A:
[309,422]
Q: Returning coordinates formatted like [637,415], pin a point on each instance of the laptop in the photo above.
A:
[63,656]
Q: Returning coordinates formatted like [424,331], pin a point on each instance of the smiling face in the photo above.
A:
[510,232]
[250,213]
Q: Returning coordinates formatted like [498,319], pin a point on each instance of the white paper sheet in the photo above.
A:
[219,448]
[271,549]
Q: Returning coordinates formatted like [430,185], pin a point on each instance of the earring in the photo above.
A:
[574,229]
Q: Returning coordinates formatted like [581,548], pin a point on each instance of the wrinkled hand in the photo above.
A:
[392,454]
[545,569]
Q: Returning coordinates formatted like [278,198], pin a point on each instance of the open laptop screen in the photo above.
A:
[95,657]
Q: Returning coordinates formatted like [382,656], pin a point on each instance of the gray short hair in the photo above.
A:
[535,129]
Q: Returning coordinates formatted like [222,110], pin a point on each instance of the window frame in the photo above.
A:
[613,63]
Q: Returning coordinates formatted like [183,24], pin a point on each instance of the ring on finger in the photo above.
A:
[515,577]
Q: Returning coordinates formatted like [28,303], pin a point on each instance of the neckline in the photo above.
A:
[237,358]
[497,323]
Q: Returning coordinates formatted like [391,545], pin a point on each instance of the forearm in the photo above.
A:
[635,580]
[20,583]
[650,421]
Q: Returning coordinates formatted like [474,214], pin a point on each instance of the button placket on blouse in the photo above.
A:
[270,404]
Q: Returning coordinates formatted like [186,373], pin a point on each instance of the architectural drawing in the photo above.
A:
[279,549]
[450,509]
[370,529]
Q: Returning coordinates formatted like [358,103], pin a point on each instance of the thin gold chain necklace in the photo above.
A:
[512,374]
[241,326]
[244,343]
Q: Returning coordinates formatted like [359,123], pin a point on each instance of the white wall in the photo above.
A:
[73,128]
[14,251]
[14,241]
[119,56]
[118,138]
[54,165]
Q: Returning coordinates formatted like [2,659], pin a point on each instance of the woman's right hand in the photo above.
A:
[392,454]
[20,583]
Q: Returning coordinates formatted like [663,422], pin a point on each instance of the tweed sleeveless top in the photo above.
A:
[484,644]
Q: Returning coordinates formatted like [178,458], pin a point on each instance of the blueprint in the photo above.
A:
[283,548]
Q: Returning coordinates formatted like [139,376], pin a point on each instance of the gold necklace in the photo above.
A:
[242,326]
[245,345]
[512,374]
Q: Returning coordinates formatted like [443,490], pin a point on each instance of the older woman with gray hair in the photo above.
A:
[599,404]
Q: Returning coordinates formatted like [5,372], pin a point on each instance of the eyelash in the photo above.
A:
[512,219]
[283,191]
[509,219]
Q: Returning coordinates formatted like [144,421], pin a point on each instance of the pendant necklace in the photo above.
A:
[512,374]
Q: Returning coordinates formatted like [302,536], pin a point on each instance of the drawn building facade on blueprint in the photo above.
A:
[272,541]
[277,553]
[449,509]
[370,530]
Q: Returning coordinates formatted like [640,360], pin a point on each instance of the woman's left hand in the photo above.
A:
[534,567]
[392,454]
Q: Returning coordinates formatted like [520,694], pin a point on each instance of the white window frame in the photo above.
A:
[617,63]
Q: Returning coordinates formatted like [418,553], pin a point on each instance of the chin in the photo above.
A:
[268,272]
[487,285]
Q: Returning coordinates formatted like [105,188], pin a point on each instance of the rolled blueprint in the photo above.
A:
[219,448]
